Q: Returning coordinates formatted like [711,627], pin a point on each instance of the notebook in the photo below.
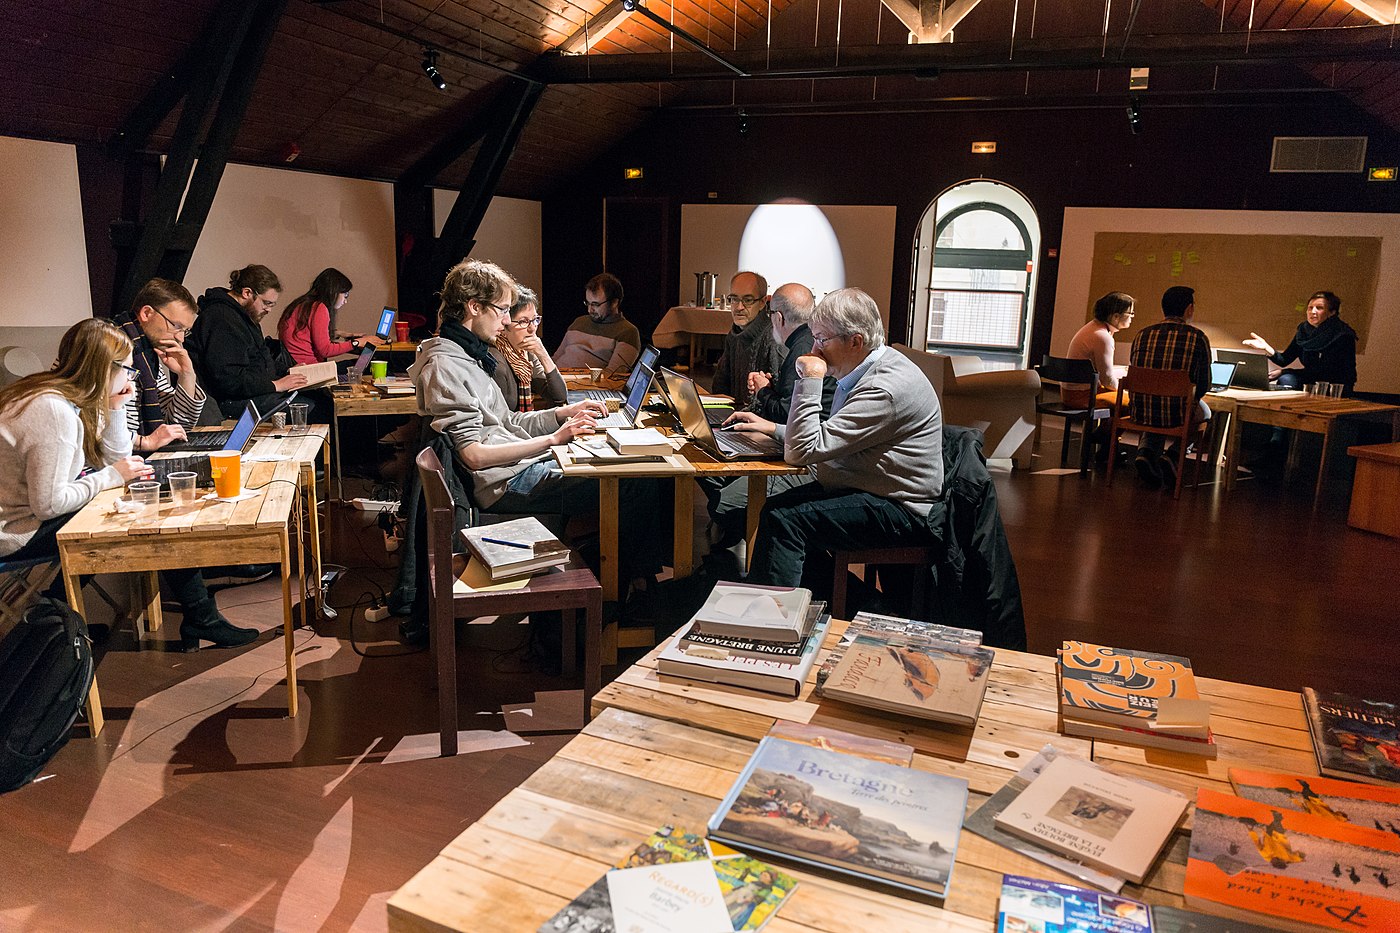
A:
[645,362]
[684,400]
[198,464]
[715,415]
[353,375]
[1252,372]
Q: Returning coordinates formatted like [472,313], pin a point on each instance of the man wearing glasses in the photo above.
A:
[749,346]
[168,397]
[877,460]
[601,337]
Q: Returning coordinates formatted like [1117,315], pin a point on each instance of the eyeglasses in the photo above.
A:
[595,305]
[177,331]
[745,300]
[132,373]
[526,323]
[503,310]
[820,342]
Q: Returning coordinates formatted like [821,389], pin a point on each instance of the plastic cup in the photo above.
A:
[1335,389]
[401,331]
[296,414]
[226,466]
[182,488]
[146,494]
[379,369]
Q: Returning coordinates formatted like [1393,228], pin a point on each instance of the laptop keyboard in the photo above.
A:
[740,442]
[202,440]
[616,420]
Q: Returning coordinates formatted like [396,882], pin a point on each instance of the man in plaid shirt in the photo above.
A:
[1171,344]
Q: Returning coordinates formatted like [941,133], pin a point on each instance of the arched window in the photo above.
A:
[973,286]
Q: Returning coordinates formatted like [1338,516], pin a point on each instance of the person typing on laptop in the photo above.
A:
[305,327]
[168,398]
[876,462]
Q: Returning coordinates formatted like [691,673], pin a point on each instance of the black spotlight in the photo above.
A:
[430,69]
[743,123]
[1134,116]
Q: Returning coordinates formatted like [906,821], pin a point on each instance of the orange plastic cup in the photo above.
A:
[226,466]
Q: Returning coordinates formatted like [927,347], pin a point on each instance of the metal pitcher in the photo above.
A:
[706,287]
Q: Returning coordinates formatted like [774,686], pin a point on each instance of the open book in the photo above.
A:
[317,374]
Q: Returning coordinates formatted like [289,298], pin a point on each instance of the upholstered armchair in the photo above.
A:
[999,403]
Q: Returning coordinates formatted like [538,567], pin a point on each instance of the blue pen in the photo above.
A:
[525,547]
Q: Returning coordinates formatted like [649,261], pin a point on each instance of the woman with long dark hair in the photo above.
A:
[305,327]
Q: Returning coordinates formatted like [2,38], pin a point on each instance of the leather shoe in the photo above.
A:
[217,630]
[1148,470]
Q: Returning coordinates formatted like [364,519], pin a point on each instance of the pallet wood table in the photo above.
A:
[362,400]
[1375,490]
[665,751]
[253,530]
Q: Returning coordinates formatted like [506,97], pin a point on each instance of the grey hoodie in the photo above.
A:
[465,404]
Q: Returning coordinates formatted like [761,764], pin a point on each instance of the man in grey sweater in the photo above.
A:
[877,460]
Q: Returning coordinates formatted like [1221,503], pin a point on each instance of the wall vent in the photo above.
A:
[1318,154]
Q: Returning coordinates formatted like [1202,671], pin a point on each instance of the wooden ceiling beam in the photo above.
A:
[1357,43]
[1378,10]
[595,29]
[931,20]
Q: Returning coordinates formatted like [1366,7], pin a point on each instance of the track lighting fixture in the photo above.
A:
[430,69]
[1134,116]
[743,123]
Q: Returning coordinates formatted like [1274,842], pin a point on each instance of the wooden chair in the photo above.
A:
[569,590]
[21,582]
[1166,383]
[1063,371]
[874,557]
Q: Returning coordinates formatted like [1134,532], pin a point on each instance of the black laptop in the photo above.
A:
[721,444]
[386,323]
[198,464]
[218,440]
[646,365]
[1252,371]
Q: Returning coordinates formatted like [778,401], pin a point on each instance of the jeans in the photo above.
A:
[727,497]
[800,527]
[1155,443]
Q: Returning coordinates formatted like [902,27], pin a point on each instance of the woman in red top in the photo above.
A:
[305,327]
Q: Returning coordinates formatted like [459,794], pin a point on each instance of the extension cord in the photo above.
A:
[376,613]
[374,505]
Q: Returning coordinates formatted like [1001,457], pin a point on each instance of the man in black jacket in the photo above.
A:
[749,346]
[234,360]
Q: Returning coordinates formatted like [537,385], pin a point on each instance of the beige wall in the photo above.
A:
[298,223]
[1377,369]
[509,235]
[43,260]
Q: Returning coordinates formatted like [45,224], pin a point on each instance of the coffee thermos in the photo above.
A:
[706,288]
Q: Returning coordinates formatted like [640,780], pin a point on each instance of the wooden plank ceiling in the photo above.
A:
[343,83]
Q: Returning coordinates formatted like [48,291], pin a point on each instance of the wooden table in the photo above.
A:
[666,751]
[1308,413]
[208,533]
[1375,490]
[359,400]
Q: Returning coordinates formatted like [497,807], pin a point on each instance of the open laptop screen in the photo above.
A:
[238,437]
[637,388]
[646,361]
[686,406]
[386,323]
[1221,374]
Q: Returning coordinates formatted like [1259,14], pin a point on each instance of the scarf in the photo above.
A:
[1311,339]
[143,355]
[474,346]
[524,374]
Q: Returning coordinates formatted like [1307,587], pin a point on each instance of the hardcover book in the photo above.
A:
[1353,738]
[1030,905]
[1290,870]
[1176,920]
[1135,735]
[1119,686]
[516,547]
[772,675]
[834,740]
[983,822]
[647,441]
[914,631]
[698,642]
[1368,805]
[942,682]
[763,613]
[852,815]
[1112,823]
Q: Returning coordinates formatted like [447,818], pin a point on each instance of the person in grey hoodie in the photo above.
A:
[507,452]
[877,460]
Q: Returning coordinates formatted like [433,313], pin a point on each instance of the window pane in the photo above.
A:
[981,230]
[975,318]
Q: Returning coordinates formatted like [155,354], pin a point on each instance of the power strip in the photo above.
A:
[377,613]
[374,505]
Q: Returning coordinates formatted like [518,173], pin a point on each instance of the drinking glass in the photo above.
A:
[182,488]
[296,415]
[146,494]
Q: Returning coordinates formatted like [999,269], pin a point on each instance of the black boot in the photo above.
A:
[206,623]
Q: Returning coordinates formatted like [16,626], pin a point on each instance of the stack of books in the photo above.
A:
[1133,698]
[517,548]
[911,668]
[764,638]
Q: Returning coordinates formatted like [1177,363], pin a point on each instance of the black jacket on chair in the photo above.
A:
[974,583]
[413,553]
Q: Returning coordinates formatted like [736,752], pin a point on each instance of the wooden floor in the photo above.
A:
[201,807]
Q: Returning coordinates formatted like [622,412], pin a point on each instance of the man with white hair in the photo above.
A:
[877,461]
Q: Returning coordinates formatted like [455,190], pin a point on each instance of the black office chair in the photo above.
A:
[1064,371]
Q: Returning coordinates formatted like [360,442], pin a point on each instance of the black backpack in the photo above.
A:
[45,674]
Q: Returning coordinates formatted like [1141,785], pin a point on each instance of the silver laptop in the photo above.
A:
[638,389]
[353,375]
[647,360]
[684,399]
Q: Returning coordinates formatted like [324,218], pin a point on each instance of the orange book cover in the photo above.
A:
[1248,859]
[1114,684]
[1368,805]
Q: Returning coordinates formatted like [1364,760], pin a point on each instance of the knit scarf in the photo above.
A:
[474,346]
[524,375]
[143,355]
[1310,339]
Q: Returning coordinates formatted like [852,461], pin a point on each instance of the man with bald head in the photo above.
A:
[749,347]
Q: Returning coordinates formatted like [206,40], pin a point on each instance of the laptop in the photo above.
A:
[237,439]
[386,323]
[1221,375]
[1252,372]
[639,387]
[682,395]
[716,416]
[353,375]
[647,360]
[217,440]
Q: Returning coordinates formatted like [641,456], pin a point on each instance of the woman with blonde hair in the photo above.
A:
[63,439]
